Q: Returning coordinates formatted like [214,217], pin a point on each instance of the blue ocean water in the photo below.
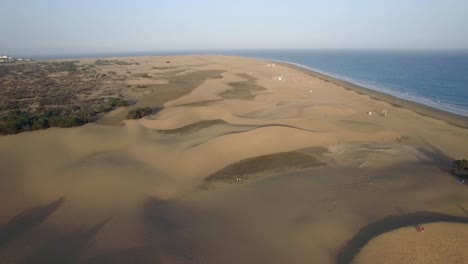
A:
[434,78]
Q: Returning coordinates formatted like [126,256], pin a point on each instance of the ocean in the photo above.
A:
[438,78]
[435,78]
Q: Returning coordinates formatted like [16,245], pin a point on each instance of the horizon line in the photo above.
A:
[138,53]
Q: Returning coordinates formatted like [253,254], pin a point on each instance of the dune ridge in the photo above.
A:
[296,167]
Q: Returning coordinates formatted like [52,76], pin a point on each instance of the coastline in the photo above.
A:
[424,110]
[420,108]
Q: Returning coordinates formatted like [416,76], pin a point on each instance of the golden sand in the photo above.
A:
[132,188]
[440,243]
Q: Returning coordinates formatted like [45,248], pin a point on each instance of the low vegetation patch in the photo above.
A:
[113,103]
[244,90]
[18,121]
[460,168]
[141,112]
[43,94]
[112,62]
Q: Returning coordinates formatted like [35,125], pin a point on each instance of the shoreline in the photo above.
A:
[421,109]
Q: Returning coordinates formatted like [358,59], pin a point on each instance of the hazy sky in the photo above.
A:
[88,26]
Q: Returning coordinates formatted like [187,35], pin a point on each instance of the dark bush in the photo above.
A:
[113,103]
[460,168]
[118,102]
[66,121]
[68,66]
[15,122]
[460,164]
[102,62]
[111,62]
[139,113]
[40,123]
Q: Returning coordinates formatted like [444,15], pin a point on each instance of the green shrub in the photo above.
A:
[14,122]
[139,113]
[102,62]
[68,66]
[113,103]
[118,102]
[460,164]
[66,121]
[111,62]
[40,123]
[460,168]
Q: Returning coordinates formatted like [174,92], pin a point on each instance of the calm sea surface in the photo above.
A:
[435,78]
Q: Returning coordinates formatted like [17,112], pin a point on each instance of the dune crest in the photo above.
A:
[293,175]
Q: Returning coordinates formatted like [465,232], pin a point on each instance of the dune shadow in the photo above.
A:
[141,255]
[67,248]
[24,222]
[435,157]
[194,127]
[463,209]
[170,234]
[355,244]
[156,214]
[200,103]
[250,128]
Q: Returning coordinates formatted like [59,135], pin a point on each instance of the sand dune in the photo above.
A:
[442,245]
[294,176]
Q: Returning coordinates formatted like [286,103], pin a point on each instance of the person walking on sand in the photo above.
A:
[420,229]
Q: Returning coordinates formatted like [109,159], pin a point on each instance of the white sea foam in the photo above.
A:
[402,95]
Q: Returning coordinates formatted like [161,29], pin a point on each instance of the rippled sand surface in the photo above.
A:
[238,167]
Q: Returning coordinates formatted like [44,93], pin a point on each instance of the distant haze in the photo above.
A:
[30,27]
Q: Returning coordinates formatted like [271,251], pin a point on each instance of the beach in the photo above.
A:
[245,161]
